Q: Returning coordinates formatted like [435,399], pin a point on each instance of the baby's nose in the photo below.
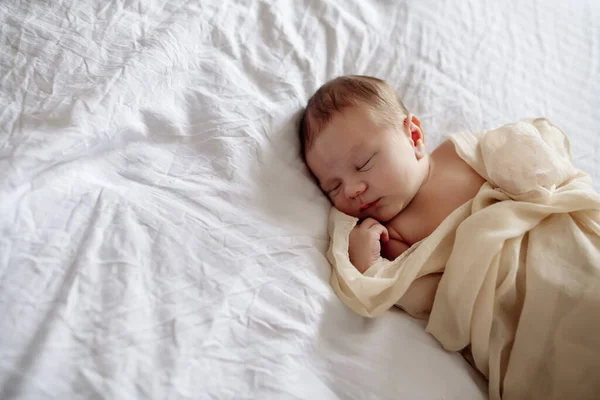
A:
[355,190]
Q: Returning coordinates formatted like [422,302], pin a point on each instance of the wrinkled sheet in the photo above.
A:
[160,236]
[520,262]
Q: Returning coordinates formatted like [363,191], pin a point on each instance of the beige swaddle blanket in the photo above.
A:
[521,263]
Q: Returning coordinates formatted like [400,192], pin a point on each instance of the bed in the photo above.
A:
[160,237]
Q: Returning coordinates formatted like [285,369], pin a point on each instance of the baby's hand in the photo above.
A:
[365,245]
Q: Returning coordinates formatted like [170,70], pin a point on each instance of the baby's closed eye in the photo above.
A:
[368,164]
[334,189]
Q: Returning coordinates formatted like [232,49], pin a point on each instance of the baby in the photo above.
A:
[519,245]
[367,153]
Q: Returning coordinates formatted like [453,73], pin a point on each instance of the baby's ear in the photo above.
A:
[416,135]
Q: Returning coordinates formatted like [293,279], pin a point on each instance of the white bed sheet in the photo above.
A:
[159,235]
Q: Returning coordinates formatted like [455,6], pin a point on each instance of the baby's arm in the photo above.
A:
[364,249]
[418,299]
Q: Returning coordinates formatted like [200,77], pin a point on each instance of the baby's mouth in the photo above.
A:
[365,207]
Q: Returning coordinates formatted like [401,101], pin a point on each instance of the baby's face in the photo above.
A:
[367,168]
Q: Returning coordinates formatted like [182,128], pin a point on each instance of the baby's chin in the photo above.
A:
[381,215]
[386,213]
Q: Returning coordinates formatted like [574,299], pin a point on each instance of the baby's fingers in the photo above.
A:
[369,223]
[385,236]
[382,232]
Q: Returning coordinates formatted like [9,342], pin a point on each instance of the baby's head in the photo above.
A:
[363,147]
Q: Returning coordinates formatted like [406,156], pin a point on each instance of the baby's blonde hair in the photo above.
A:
[346,91]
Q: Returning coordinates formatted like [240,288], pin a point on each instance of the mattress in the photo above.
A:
[160,237]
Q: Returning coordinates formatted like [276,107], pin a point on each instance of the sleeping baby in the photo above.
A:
[493,237]
[368,155]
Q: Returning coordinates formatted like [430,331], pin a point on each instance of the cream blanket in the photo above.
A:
[521,263]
